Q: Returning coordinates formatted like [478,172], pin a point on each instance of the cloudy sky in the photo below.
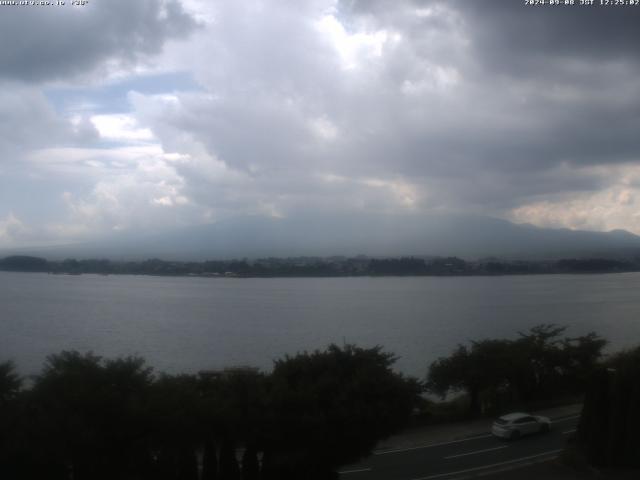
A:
[125,115]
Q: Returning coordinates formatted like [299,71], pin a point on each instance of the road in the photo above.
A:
[461,458]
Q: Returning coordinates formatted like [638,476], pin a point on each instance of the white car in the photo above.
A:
[515,425]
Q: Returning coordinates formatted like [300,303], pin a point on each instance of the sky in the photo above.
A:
[148,115]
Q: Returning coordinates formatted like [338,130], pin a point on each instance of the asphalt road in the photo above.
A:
[461,458]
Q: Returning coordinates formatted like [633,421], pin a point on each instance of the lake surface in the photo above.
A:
[182,324]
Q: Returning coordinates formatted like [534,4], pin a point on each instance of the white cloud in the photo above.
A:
[120,127]
[130,202]
[94,163]
[12,231]
[354,48]
[614,207]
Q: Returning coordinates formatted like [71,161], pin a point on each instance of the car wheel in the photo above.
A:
[514,435]
[544,427]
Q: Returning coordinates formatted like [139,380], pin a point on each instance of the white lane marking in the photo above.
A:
[567,432]
[572,417]
[484,467]
[419,447]
[473,453]
[344,472]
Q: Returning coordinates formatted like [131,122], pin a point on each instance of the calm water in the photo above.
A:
[188,324]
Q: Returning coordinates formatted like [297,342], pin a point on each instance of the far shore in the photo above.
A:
[324,267]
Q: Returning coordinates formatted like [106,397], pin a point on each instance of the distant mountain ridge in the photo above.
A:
[379,235]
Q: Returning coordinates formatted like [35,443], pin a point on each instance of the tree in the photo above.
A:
[176,427]
[329,408]
[10,383]
[90,414]
[537,365]
[485,368]
[90,418]
[610,420]
[581,356]
[24,263]
[541,357]
[234,402]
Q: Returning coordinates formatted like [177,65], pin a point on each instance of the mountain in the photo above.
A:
[373,235]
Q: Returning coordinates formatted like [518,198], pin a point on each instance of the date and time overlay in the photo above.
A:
[45,3]
[531,3]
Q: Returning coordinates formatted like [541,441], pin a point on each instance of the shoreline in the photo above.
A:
[266,276]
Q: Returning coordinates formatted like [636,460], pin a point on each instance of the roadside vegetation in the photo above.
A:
[543,368]
[85,417]
[607,435]
[538,368]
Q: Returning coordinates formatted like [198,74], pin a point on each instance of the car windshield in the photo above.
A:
[502,421]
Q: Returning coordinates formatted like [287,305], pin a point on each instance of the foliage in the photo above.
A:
[10,385]
[94,410]
[398,266]
[484,366]
[608,429]
[91,418]
[316,266]
[501,372]
[330,408]
[23,263]
[10,382]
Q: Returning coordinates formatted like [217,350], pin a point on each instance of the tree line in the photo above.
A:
[607,434]
[318,267]
[85,417]
[497,374]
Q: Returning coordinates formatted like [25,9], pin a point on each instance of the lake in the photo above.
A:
[184,324]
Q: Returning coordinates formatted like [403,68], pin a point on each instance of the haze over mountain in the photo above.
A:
[373,235]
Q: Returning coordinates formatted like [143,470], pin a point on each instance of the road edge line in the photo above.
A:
[460,440]
[429,445]
[485,467]
[475,452]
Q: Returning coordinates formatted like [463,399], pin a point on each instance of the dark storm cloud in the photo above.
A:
[522,39]
[515,34]
[51,43]
[568,72]
[562,80]
[575,69]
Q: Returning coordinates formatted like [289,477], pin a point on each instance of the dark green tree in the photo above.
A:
[10,429]
[481,371]
[541,357]
[176,429]
[209,459]
[234,403]
[610,421]
[24,263]
[329,408]
[250,464]
[10,383]
[581,356]
[229,468]
[498,373]
[92,414]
